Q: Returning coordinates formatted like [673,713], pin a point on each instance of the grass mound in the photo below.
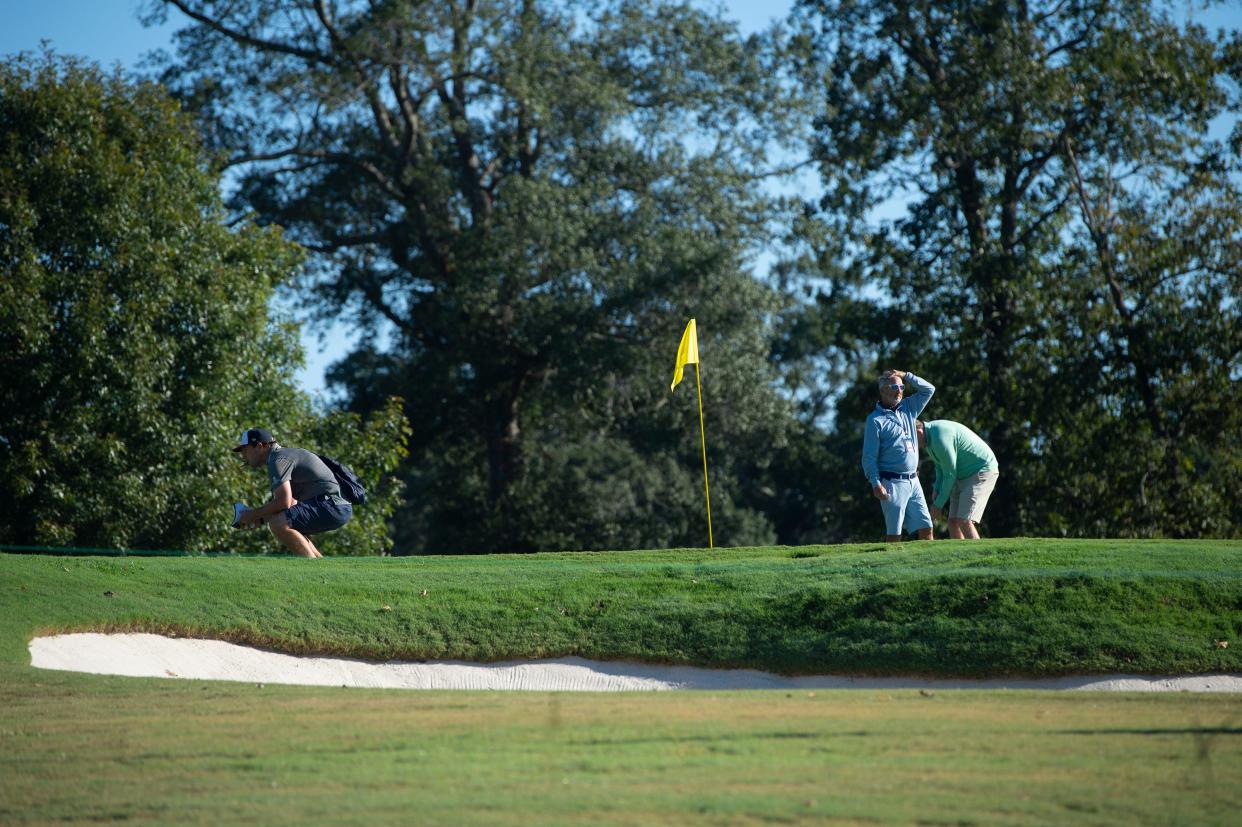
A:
[992,608]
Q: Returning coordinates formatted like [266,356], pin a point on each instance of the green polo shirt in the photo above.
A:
[958,453]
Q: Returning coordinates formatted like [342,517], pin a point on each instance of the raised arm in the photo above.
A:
[923,390]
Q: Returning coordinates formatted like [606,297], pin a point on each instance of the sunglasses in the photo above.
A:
[897,387]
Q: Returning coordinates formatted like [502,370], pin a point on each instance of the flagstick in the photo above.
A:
[707,494]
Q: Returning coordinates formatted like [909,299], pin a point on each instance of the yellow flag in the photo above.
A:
[687,352]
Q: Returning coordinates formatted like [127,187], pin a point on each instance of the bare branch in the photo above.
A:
[1051,13]
[413,126]
[248,40]
[369,86]
[338,242]
[385,182]
[1024,239]
[452,94]
[374,293]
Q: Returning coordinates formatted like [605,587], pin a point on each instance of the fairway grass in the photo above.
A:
[85,748]
[77,749]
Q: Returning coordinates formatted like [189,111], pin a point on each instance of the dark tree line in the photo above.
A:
[524,201]
[1067,267]
[532,197]
[520,203]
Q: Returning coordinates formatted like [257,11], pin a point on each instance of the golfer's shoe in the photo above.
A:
[238,508]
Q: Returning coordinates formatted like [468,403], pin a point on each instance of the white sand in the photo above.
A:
[142,655]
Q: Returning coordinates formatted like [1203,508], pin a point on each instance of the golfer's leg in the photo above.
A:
[291,538]
[955,506]
[917,513]
[980,490]
[894,510]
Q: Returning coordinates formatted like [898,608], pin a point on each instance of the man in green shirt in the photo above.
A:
[966,473]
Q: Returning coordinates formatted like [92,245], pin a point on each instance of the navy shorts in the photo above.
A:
[319,515]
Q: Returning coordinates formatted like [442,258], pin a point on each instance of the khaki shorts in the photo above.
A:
[970,496]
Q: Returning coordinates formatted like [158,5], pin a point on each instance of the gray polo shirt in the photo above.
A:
[306,474]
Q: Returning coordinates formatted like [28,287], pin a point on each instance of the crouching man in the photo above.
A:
[306,498]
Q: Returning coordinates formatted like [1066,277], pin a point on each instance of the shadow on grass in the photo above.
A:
[1176,731]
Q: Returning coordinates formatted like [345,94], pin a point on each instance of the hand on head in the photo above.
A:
[892,387]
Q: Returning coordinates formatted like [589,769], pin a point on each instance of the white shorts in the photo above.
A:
[970,496]
[905,507]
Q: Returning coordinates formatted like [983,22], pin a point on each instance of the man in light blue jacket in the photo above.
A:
[890,455]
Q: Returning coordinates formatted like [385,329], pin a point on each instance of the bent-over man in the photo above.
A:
[306,498]
[966,473]
[890,454]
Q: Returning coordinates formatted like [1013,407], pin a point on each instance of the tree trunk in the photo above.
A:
[996,301]
[990,277]
[504,445]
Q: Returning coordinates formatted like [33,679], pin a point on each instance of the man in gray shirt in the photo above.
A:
[306,498]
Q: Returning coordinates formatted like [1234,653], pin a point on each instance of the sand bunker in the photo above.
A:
[156,656]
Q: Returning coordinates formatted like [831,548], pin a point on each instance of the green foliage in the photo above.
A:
[135,336]
[1066,268]
[522,202]
[531,199]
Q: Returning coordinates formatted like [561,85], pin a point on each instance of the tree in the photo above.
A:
[1161,270]
[135,336]
[1059,352]
[527,199]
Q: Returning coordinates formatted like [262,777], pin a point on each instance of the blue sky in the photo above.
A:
[108,30]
